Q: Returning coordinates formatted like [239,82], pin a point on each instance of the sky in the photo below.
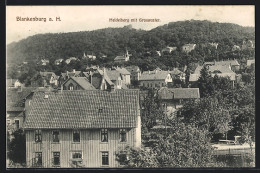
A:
[87,18]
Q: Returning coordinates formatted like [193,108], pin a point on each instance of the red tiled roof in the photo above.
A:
[80,109]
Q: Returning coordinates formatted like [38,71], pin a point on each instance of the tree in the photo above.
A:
[184,146]
[205,82]
[208,113]
[151,111]
[17,147]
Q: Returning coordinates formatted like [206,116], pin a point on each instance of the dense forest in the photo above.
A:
[142,45]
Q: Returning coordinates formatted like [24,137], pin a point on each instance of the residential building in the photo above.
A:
[235,47]
[172,98]
[125,75]
[13,83]
[71,59]
[77,83]
[100,80]
[247,44]
[235,66]
[44,62]
[168,49]
[92,57]
[17,99]
[122,58]
[67,74]
[49,78]
[215,45]
[135,72]
[155,79]
[177,74]
[116,78]
[58,61]
[250,62]
[158,53]
[220,70]
[71,129]
[188,47]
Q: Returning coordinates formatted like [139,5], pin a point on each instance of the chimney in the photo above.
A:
[112,87]
[67,73]
[74,70]
[149,72]
[46,96]
[61,88]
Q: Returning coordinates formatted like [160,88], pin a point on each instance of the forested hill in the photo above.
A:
[113,41]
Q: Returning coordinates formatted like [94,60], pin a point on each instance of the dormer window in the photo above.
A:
[71,87]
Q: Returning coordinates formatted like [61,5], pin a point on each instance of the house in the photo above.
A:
[188,47]
[155,79]
[125,75]
[135,72]
[85,128]
[250,62]
[169,49]
[77,83]
[177,74]
[235,47]
[235,66]
[49,78]
[172,98]
[17,99]
[220,70]
[116,78]
[44,62]
[89,56]
[13,83]
[58,61]
[123,58]
[65,76]
[100,80]
[247,44]
[158,53]
[70,59]
[215,45]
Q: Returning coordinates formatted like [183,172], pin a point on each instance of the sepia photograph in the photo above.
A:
[130,86]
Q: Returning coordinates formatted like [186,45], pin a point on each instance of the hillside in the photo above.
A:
[113,41]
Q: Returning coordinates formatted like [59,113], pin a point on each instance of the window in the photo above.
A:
[56,158]
[122,135]
[38,159]
[104,135]
[76,158]
[76,136]
[16,124]
[71,87]
[77,155]
[55,136]
[38,136]
[105,158]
